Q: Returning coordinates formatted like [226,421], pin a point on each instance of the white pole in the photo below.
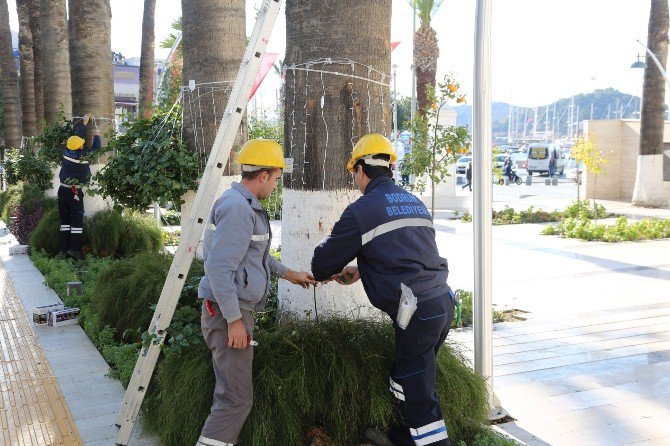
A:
[413,107]
[395,105]
[483,310]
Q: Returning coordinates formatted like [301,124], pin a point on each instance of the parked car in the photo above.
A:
[462,164]
[573,169]
[539,155]
[519,160]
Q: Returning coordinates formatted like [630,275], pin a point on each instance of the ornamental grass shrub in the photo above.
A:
[107,233]
[332,374]
[127,291]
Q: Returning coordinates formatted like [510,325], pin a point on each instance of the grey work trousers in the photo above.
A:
[233,393]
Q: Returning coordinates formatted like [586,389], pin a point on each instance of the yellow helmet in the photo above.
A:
[75,142]
[372,144]
[261,153]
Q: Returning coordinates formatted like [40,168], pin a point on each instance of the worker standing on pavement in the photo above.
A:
[74,174]
[238,265]
[391,234]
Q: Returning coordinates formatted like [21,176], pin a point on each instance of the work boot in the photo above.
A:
[377,437]
[74,254]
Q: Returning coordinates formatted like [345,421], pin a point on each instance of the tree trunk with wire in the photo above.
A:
[27,70]
[147,69]
[38,77]
[213,43]
[9,83]
[649,187]
[57,88]
[91,63]
[338,71]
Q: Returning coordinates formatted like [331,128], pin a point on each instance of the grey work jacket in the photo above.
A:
[237,256]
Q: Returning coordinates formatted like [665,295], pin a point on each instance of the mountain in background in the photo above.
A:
[600,104]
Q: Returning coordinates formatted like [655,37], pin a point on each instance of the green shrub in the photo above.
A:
[584,229]
[26,203]
[584,209]
[150,164]
[126,292]
[332,374]
[53,139]
[23,165]
[107,233]
[172,218]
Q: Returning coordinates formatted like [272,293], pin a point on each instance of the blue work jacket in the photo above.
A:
[75,169]
[391,234]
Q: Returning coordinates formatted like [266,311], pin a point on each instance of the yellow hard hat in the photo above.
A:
[372,144]
[261,153]
[75,142]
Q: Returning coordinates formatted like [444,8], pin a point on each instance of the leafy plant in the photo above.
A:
[435,145]
[621,230]
[587,152]
[23,165]
[150,164]
[53,138]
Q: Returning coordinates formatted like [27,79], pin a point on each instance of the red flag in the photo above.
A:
[266,63]
[394,45]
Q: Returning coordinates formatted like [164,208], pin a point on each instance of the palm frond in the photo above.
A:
[425,9]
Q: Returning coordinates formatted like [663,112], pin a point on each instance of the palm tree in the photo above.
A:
[426,50]
[36,34]
[649,190]
[9,80]
[91,61]
[213,43]
[147,68]
[27,69]
[324,116]
[55,60]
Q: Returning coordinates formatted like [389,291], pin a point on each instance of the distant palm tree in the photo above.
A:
[147,68]
[649,190]
[91,61]
[426,50]
[36,33]
[9,81]
[27,69]
[55,60]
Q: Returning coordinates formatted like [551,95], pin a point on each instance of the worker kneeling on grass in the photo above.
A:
[390,232]
[238,265]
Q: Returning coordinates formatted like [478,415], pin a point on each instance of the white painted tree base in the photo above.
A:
[307,218]
[650,189]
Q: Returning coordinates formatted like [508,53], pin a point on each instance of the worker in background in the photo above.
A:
[390,232]
[238,265]
[74,174]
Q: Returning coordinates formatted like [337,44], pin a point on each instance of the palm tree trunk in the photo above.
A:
[147,68]
[55,60]
[27,70]
[91,62]
[324,116]
[9,80]
[649,190]
[426,52]
[36,34]
[213,43]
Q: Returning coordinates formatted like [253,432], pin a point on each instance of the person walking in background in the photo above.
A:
[468,177]
[552,166]
[75,173]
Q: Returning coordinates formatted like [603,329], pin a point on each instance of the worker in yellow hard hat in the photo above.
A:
[74,174]
[238,265]
[390,232]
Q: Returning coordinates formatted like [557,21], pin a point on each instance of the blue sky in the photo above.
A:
[542,50]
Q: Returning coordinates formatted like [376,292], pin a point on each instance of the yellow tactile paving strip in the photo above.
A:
[32,408]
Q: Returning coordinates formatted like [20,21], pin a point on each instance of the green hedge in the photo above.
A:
[107,233]
[620,231]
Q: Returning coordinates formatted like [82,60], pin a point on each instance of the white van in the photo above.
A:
[539,155]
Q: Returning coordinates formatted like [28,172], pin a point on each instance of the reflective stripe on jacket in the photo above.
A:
[391,234]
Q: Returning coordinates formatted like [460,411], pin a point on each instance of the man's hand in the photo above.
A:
[237,335]
[348,275]
[300,278]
